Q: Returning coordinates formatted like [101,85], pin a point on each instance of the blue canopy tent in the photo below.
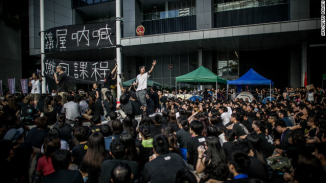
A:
[252,78]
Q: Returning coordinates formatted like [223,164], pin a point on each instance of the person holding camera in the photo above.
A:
[35,82]
[61,79]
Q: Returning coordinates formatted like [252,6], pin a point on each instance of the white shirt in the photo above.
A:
[36,86]
[225,118]
[142,81]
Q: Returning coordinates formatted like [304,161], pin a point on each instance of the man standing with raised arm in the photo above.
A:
[141,81]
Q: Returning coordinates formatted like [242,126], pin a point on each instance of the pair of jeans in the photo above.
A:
[141,96]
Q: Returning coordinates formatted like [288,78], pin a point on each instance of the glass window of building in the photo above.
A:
[176,66]
[166,62]
[193,61]
[184,64]
[158,67]
[222,64]
[233,64]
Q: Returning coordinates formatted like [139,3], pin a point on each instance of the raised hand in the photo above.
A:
[154,62]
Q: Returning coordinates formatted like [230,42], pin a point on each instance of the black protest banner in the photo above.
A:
[79,37]
[80,71]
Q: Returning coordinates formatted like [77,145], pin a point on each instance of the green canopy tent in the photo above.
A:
[149,83]
[201,75]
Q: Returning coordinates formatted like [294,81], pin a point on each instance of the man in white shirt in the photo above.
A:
[35,82]
[141,81]
[225,116]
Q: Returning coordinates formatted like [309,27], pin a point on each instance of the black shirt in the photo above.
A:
[163,100]
[107,107]
[108,165]
[266,144]
[40,105]
[144,154]
[227,146]
[183,138]
[97,108]
[155,99]
[240,129]
[155,130]
[108,80]
[136,107]
[65,131]
[126,107]
[248,125]
[99,93]
[257,169]
[36,137]
[63,82]
[163,168]
[284,140]
[52,116]
[150,106]
[64,176]
[78,153]
[192,147]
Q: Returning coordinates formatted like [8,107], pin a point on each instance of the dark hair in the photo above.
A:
[158,119]
[197,127]
[240,161]
[261,125]
[96,119]
[70,98]
[215,120]
[172,118]
[117,148]
[47,102]
[129,143]
[298,138]
[6,146]
[216,160]
[321,148]
[78,98]
[308,173]
[41,122]
[105,130]
[146,121]
[166,129]
[128,126]
[184,123]
[50,145]
[145,131]
[121,173]
[281,123]
[185,176]
[61,120]
[80,134]
[285,114]
[113,116]
[236,116]
[117,127]
[173,141]
[54,132]
[212,131]
[161,144]
[96,149]
[109,98]
[230,135]
[124,99]
[61,159]
[220,130]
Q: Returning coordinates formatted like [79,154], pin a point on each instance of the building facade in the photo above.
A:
[280,39]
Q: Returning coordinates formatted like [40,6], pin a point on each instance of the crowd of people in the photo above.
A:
[175,140]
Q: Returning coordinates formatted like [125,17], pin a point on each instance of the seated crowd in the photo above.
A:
[189,141]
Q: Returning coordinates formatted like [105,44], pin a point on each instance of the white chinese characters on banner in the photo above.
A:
[61,38]
[83,71]
[79,35]
[50,67]
[102,33]
[49,41]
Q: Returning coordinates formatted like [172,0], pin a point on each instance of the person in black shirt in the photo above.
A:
[312,124]
[154,96]
[196,129]
[62,82]
[136,105]
[265,142]
[97,91]
[60,161]
[96,124]
[108,82]
[163,99]
[239,163]
[95,108]
[238,128]
[121,173]
[150,109]
[183,136]
[109,103]
[247,123]
[228,146]
[117,151]
[163,165]
[80,150]
[285,135]
[37,135]
[64,128]
[156,127]
[50,111]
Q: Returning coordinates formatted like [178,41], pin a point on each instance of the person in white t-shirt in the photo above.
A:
[35,82]
[141,81]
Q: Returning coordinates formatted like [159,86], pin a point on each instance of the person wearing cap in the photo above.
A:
[22,152]
[141,81]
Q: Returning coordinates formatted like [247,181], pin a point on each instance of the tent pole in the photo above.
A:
[176,87]
[227,92]
[270,92]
